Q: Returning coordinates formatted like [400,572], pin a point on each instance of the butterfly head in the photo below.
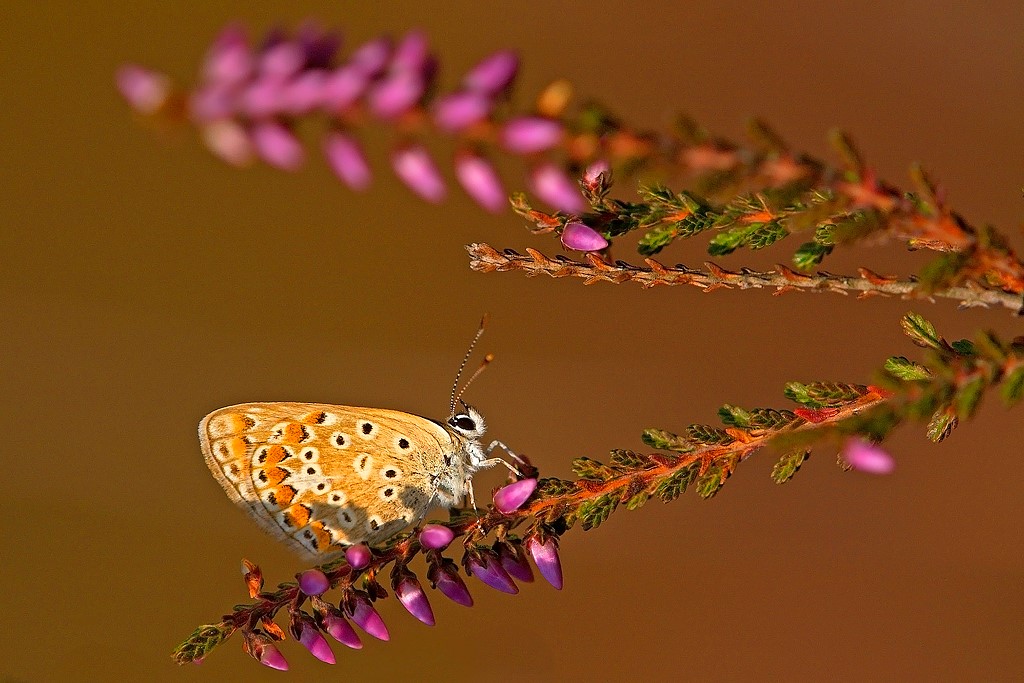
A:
[468,422]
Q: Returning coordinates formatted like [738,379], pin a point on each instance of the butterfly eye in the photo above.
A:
[464,422]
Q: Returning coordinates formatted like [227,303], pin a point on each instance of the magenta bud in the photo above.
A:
[146,91]
[528,134]
[212,102]
[493,74]
[339,629]
[480,181]
[343,87]
[229,60]
[867,457]
[304,93]
[545,556]
[371,57]
[229,141]
[358,556]
[347,160]
[460,110]
[511,497]
[411,53]
[594,171]
[436,537]
[551,184]
[582,238]
[452,587]
[514,562]
[282,60]
[488,569]
[396,94]
[314,582]
[262,99]
[272,657]
[366,618]
[413,599]
[316,644]
[413,165]
[278,146]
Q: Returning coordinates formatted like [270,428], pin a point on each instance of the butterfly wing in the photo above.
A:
[321,477]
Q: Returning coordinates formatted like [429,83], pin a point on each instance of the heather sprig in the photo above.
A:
[529,515]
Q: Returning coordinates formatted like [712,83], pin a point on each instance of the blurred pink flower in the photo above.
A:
[867,457]
[413,165]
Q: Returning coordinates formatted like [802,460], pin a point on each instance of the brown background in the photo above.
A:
[145,283]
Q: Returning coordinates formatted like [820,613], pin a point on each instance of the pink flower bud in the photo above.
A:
[372,56]
[545,556]
[212,102]
[447,580]
[268,655]
[594,170]
[460,110]
[229,61]
[228,140]
[529,134]
[343,87]
[304,93]
[396,94]
[278,146]
[366,618]
[358,556]
[552,185]
[510,498]
[314,582]
[339,629]
[413,599]
[480,181]
[146,91]
[282,61]
[488,569]
[413,165]
[493,74]
[582,238]
[411,53]
[316,644]
[867,457]
[262,99]
[513,561]
[347,160]
[436,537]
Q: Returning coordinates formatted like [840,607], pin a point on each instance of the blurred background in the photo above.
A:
[145,284]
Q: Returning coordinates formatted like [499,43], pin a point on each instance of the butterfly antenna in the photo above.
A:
[465,359]
[483,366]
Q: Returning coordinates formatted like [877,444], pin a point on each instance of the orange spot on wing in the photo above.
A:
[275,454]
[236,448]
[284,495]
[297,516]
[276,475]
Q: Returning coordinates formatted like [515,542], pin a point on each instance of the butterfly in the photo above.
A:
[321,477]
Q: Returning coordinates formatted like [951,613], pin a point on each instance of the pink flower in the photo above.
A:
[411,54]
[343,87]
[480,181]
[545,556]
[229,61]
[366,618]
[488,569]
[145,90]
[582,238]
[313,582]
[460,110]
[372,56]
[396,94]
[262,99]
[339,629]
[513,561]
[347,160]
[447,580]
[411,595]
[230,141]
[278,146]
[413,165]
[867,457]
[552,185]
[282,61]
[358,556]
[510,498]
[528,134]
[493,74]
[436,537]
[304,93]
[316,643]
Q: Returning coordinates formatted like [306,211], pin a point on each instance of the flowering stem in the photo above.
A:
[485,258]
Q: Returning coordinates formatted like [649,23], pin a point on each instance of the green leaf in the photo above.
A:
[810,254]
[968,397]
[788,465]
[1012,389]
[767,235]
[906,369]
[671,487]
[734,416]
[657,239]
[593,513]
[638,501]
[921,332]
[585,468]
[769,418]
[942,272]
[823,394]
[629,460]
[730,240]
[201,641]
[710,483]
[964,347]
[551,487]
[942,424]
[667,441]
[708,435]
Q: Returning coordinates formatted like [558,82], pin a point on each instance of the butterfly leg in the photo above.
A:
[498,444]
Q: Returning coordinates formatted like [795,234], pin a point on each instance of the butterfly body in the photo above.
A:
[321,477]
